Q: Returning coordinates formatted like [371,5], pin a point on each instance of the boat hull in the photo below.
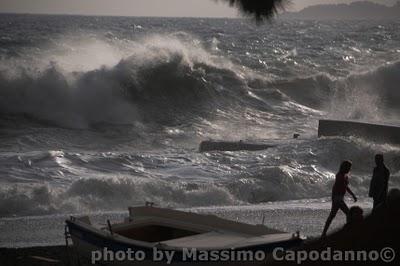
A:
[88,242]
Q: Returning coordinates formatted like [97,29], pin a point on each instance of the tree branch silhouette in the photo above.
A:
[261,10]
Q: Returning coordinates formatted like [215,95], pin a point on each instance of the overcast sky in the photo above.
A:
[189,8]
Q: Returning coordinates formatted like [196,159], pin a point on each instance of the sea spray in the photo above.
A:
[98,114]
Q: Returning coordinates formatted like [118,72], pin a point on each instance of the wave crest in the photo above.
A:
[162,78]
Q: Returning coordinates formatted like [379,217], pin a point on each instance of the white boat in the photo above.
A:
[189,237]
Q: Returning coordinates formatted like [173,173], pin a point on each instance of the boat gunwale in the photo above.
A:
[129,243]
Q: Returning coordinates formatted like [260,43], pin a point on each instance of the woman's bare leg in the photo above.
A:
[331,216]
[344,208]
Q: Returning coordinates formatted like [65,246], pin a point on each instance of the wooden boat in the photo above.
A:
[185,235]
[376,132]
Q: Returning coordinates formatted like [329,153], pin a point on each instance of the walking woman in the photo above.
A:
[339,189]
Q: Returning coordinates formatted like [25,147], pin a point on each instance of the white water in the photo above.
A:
[98,114]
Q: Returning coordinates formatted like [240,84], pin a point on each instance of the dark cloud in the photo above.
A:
[259,9]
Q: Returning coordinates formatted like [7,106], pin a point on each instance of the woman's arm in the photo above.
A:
[352,194]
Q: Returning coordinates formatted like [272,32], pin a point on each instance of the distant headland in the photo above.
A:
[353,11]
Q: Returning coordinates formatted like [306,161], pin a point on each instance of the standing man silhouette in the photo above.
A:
[378,188]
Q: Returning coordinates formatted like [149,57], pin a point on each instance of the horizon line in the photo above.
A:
[109,15]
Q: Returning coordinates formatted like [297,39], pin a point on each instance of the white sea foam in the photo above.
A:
[98,114]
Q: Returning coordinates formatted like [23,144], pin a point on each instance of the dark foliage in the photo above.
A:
[259,9]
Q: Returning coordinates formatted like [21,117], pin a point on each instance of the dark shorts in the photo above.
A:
[338,203]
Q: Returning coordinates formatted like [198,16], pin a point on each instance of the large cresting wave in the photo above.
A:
[173,78]
[162,79]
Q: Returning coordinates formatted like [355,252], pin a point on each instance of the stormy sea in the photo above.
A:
[101,113]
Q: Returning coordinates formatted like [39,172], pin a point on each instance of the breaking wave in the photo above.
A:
[162,80]
[173,78]
[372,95]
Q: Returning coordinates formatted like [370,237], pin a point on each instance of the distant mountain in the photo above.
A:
[355,10]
